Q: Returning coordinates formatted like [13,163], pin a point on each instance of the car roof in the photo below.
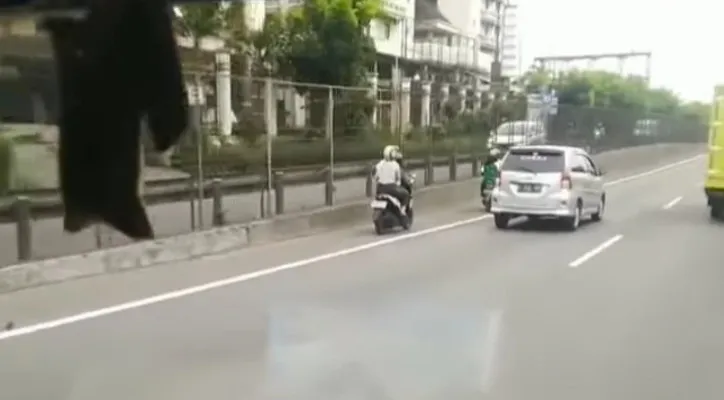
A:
[548,147]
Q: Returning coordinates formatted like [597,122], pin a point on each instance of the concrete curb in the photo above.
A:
[189,246]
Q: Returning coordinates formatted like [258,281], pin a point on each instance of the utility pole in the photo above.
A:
[496,73]
[496,67]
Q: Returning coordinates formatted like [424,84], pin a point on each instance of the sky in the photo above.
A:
[683,37]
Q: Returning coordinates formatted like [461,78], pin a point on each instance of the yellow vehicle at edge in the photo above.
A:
[714,185]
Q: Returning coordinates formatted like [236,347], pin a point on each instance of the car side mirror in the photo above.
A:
[579,170]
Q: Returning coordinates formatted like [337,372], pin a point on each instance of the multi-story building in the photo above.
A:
[444,40]
[479,26]
[510,42]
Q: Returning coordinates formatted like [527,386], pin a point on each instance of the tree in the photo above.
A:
[326,41]
[272,45]
[241,40]
[605,89]
[198,21]
[633,101]
[696,110]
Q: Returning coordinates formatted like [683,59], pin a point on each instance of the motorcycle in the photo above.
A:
[486,194]
[387,211]
[486,188]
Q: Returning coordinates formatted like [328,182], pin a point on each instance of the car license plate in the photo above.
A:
[378,204]
[529,188]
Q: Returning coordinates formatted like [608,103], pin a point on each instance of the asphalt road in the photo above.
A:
[49,240]
[459,312]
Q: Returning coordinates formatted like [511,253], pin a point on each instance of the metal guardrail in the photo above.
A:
[46,203]
[23,210]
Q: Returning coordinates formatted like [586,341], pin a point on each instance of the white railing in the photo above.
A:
[489,16]
[464,56]
[396,7]
[487,42]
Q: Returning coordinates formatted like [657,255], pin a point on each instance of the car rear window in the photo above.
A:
[537,161]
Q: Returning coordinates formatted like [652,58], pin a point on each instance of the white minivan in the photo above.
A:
[542,181]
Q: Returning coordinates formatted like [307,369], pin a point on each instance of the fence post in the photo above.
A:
[453,167]
[278,182]
[192,202]
[272,129]
[21,211]
[200,145]
[475,165]
[328,187]
[369,181]
[429,170]
[217,205]
[329,181]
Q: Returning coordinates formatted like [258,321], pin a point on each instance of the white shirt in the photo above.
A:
[388,173]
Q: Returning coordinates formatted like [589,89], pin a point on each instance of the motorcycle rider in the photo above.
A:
[405,181]
[389,178]
[490,170]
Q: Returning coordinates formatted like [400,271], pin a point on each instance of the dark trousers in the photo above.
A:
[396,191]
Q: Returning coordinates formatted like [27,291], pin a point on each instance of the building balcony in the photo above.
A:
[461,56]
[489,16]
[398,8]
[487,43]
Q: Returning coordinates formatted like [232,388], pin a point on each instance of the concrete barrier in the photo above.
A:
[189,246]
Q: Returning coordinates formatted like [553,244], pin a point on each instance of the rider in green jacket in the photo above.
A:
[489,171]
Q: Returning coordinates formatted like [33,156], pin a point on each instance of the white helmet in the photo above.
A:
[495,152]
[390,152]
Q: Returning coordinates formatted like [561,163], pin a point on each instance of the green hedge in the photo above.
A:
[7,164]
[291,152]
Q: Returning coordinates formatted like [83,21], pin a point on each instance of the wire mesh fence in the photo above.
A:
[258,147]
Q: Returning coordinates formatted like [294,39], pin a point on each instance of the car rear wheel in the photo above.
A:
[598,215]
[501,220]
[716,211]
[572,223]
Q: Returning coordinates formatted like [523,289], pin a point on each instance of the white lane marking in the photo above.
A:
[653,171]
[102,312]
[595,251]
[490,349]
[672,203]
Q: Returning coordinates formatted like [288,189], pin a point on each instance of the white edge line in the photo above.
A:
[229,281]
[101,312]
[595,251]
[672,203]
[490,349]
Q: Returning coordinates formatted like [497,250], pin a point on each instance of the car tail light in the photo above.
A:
[566,182]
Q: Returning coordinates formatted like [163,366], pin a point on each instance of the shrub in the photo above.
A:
[303,151]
